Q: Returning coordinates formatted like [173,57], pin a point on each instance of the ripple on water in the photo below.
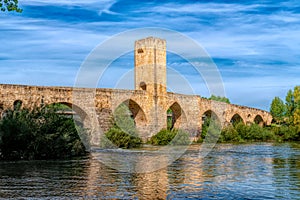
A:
[230,171]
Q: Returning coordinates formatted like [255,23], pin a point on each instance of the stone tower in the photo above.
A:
[150,65]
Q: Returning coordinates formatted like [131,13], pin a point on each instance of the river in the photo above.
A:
[229,171]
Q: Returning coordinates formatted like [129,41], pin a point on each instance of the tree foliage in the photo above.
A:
[123,118]
[170,137]
[219,98]
[38,134]
[115,137]
[296,114]
[290,105]
[278,109]
[246,133]
[288,112]
[10,5]
[211,129]
[123,133]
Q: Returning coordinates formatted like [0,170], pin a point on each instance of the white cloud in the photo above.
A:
[260,46]
[198,8]
[104,3]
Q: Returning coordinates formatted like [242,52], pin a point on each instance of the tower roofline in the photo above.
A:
[150,41]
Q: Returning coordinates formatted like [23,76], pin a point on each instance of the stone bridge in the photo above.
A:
[149,103]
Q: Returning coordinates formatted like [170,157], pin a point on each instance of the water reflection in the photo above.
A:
[140,160]
[286,170]
[250,171]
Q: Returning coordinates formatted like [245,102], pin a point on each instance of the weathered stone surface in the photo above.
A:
[149,101]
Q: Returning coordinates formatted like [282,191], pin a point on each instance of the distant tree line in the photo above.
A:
[218,98]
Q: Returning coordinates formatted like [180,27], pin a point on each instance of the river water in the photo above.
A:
[229,171]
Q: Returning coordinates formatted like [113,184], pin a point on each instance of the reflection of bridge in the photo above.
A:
[148,103]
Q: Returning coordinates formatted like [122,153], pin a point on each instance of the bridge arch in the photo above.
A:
[17,105]
[175,116]
[143,85]
[130,110]
[210,123]
[1,109]
[259,120]
[79,114]
[211,116]
[236,118]
[249,119]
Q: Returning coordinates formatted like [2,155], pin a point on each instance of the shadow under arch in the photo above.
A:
[259,120]
[17,105]
[80,118]
[210,116]
[175,116]
[1,110]
[211,125]
[129,116]
[236,118]
[67,108]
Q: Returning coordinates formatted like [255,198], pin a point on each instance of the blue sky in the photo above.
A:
[255,44]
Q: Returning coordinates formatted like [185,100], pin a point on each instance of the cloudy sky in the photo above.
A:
[255,45]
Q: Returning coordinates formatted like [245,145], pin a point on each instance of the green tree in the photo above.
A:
[123,133]
[278,110]
[170,137]
[296,114]
[10,5]
[124,119]
[293,106]
[38,134]
[290,105]
[219,98]
[211,129]
[116,137]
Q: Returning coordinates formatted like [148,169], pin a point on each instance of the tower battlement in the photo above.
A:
[151,42]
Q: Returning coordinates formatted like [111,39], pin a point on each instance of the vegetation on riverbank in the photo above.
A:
[287,113]
[115,137]
[171,137]
[123,133]
[286,116]
[40,133]
[285,125]
[255,133]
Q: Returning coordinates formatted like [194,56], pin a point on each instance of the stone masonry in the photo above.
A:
[148,103]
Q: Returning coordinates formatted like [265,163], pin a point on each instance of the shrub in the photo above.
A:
[172,137]
[116,137]
[286,133]
[38,134]
[229,133]
[258,133]
[241,132]
[211,130]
